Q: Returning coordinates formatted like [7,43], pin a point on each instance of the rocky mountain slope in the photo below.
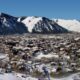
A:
[10,25]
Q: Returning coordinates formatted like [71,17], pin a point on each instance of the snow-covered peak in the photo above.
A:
[31,21]
[41,25]
[72,25]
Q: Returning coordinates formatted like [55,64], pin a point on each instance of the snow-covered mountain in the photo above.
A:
[72,25]
[10,25]
[34,24]
[41,25]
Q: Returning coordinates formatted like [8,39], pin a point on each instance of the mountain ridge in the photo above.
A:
[30,24]
[41,25]
[34,24]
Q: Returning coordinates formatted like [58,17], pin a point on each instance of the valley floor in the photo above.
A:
[40,57]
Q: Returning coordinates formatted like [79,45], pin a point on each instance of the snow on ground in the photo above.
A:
[15,76]
[41,55]
[8,77]
[18,76]
[3,56]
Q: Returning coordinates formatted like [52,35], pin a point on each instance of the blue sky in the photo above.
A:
[67,9]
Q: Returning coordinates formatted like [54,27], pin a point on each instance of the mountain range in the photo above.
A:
[33,24]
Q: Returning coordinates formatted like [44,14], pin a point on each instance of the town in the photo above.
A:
[38,55]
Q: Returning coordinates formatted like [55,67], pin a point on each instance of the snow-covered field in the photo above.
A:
[18,76]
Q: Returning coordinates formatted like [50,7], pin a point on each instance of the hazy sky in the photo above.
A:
[67,9]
